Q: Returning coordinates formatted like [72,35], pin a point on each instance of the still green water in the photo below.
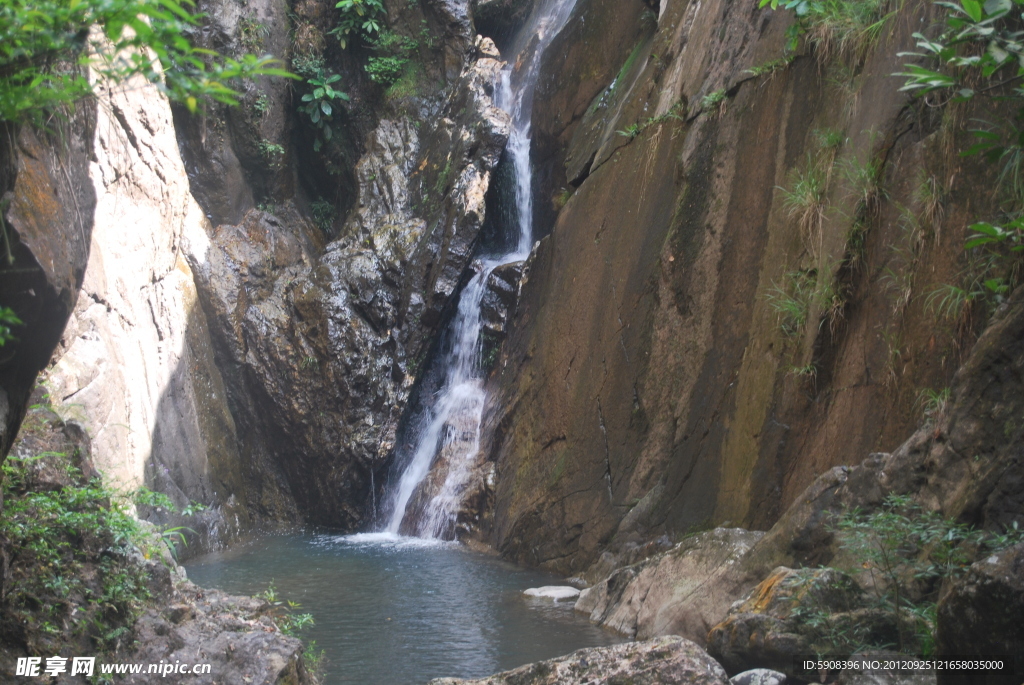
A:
[398,611]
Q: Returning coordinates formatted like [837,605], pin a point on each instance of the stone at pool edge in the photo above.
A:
[555,593]
[668,660]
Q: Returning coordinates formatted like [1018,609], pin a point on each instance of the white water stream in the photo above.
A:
[453,422]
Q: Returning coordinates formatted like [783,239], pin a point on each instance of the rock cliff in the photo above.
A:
[653,381]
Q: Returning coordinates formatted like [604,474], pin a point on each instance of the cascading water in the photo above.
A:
[453,422]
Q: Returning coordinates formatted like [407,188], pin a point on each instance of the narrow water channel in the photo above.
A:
[399,611]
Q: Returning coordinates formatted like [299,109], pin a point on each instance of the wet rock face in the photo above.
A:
[662,661]
[501,19]
[328,343]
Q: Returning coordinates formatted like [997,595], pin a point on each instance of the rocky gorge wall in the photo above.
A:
[228,345]
[649,386]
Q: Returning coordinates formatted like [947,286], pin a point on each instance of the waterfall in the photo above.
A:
[453,422]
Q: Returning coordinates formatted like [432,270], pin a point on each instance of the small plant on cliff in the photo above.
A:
[933,402]
[358,18]
[864,180]
[252,33]
[840,28]
[805,202]
[770,67]
[792,301]
[44,45]
[714,100]
[323,213]
[393,56]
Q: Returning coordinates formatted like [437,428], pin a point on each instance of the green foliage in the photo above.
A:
[392,59]
[829,139]
[262,104]
[144,497]
[865,182]
[933,402]
[714,99]
[7,319]
[362,18]
[835,27]
[930,196]
[55,535]
[319,104]
[980,54]
[323,213]
[994,255]
[252,33]
[283,612]
[792,301]
[676,112]
[805,200]
[631,131]
[46,44]
[270,150]
[906,552]
[770,67]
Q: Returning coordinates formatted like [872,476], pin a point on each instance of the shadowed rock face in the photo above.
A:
[662,661]
[47,202]
[647,385]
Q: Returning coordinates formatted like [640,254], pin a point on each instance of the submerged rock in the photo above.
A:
[553,592]
[662,661]
[759,676]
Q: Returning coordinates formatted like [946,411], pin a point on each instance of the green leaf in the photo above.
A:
[326,107]
[973,9]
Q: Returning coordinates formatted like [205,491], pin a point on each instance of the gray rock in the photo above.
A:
[759,676]
[684,591]
[237,636]
[662,661]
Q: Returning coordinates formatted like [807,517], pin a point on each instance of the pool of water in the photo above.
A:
[399,611]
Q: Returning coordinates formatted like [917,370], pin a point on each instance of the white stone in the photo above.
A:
[553,592]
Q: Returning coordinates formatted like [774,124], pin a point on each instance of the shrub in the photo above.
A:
[906,552]
[393,56]
[45,43]
[319,105]
[836,27]
[323,213]
[358,18]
